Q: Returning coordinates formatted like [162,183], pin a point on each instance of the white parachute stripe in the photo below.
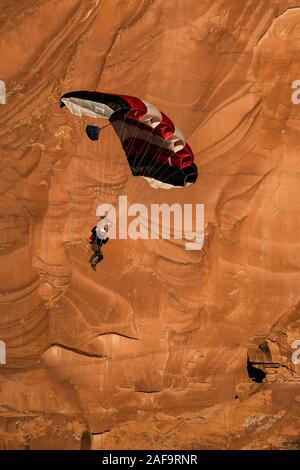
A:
[156,184]
[180,135]
[175,143]
[83,107]
[153,116]
[2,92]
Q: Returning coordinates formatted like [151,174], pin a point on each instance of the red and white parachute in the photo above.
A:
[155,148]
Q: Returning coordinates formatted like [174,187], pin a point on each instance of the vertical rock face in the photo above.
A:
[162,347]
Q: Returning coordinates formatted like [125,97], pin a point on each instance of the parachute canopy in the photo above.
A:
[155,148]
[93,131]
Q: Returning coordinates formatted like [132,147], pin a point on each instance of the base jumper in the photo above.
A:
[98,238]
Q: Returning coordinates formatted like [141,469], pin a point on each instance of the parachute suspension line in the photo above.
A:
[134,137]
[132,141]
[99,174]
[111,146]
[122,130]
[161,166]
[122,133]
[136,131]
[150,134]
[102,166]
[105,126]
[164,171]
[152,160]
[175,173]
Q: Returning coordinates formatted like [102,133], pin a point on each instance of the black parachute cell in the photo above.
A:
[93,131]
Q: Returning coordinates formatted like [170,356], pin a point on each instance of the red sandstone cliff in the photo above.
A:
[161,347]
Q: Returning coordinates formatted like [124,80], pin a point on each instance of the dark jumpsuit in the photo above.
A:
[96,243]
